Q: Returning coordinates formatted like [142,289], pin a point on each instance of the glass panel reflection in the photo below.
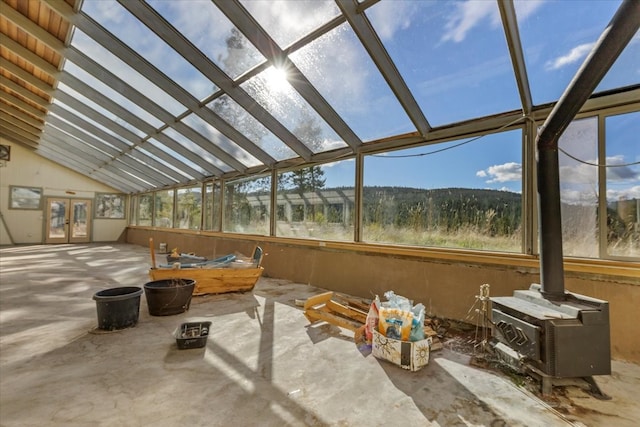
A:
[145,209]
[79,219]
[317,202]
[250,127]
[176,155]
[623,185]
[216,138]
[212,196]
[272,90]
[163,209]
[196,149]
[342,71]
[202,23]
[452,55]
[58,219]
[579,188]
[247,205]
[189,207]
[286,21]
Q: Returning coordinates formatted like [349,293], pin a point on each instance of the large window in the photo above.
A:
[189,207]
[212,196]
[623,185]
[600,196]
[247,205]
[459,194]
[164,208]
[578,161]
[456,194]
[317,201]
[145,209]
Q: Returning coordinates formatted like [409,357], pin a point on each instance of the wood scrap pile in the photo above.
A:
[350,313]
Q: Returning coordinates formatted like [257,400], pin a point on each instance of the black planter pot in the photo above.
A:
[169,296]
[118,308]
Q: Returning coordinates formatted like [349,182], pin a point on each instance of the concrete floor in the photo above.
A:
[263,364]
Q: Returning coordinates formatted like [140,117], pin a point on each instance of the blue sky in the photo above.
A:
[452,55]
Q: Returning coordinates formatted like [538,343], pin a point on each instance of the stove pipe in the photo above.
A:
[612,41]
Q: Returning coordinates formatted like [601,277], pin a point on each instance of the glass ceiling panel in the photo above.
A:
[93,122]
[556,38]
[146,43]
[619,75]
[110,93]
[214,136]
[85,132]
[166,164]
[202,23]
[90,104]
[250,127]
[127,74]
[359,94]
[272,90]
[452,55]
[78,140]
[286,21]
[176,155]
[196,149]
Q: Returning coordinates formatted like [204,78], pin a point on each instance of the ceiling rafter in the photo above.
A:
[138,63]
[276,56]
[510,25]
[180,44]
[371,42]
[148,105]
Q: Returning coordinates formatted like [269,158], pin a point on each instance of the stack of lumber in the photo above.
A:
[350,313]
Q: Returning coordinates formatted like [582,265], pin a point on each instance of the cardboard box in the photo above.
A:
[411,355]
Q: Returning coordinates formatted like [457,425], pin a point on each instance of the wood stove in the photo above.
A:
[560,334]
[563,339]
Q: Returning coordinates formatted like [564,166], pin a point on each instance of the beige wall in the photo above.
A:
[447,287]
[31,170]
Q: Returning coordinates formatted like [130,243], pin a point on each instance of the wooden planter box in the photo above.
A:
[212,280]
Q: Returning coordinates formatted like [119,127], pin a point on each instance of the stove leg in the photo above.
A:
[595,390]
[546,385]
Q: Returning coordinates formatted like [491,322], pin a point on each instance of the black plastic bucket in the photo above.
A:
[169,296]
[118,308]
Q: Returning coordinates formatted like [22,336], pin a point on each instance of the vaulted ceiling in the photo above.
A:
[81,86]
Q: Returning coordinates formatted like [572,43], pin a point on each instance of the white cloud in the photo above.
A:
[624,194]
[507,172]
[579,173]
[578,197]
[526,8]
[288,20]
[621,173]
[391,16]
[467,15]
[574,55]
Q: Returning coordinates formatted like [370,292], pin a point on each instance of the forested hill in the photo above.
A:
[409,194]
[494,211]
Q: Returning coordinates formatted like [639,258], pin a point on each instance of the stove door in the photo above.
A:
[521,336]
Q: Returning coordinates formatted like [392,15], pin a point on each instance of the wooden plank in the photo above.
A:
[349,312]
[153,253]
[314,314]
[317,299]
[361,304]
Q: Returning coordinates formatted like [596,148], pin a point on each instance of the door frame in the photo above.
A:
[68,230]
